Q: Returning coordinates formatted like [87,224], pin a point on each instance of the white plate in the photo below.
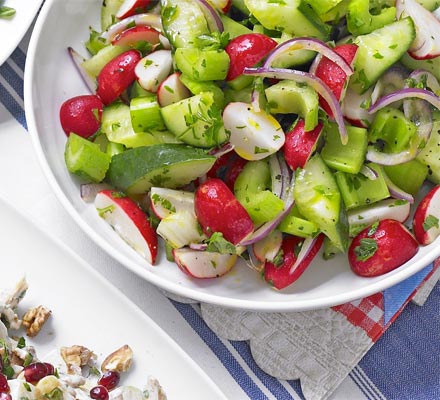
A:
[89,311]
[13,29]
[51,79]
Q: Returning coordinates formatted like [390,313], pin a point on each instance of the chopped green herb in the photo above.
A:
[218,244]
[366,249]
[430,222]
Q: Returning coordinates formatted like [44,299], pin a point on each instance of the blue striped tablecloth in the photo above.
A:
[403,364]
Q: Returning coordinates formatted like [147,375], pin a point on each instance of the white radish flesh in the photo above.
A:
[254,135]
[153,69]
[165,202]
[172,90]
[180,229]
[203,264]
[123,224]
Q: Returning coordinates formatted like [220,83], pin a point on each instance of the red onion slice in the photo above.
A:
[306,248]
[224,149]
[419,113]
[392,80]
[314,82]
[395,191]
[427,78]
[198,246]
[315,63]
[403,94]
[285,176]
[78,61]
[275,175]
[305,43]
[147,19]
[213,20]
[269,226]
[368,172]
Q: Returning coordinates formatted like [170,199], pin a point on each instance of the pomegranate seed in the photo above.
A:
[109,379]
[4,386]
[50,368]
[99,393]
[5,396]
[35,371]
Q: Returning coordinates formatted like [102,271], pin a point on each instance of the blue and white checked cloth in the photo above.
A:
[404,363]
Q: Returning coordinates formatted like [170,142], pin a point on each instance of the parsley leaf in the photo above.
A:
[366,249]
[218,244]
[430,222]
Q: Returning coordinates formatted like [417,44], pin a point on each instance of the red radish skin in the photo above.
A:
[218,210]
[300,145]
[246,51]
[117,75]
[129,221]
[394,243]
[333,75]
[426,217]
[81,115]
[227,168]
[131,7]
[139,33]
[279,276]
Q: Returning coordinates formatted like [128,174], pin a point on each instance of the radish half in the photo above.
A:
[203,264]
[154,68]
[129,221]
[427,216]
[172,90]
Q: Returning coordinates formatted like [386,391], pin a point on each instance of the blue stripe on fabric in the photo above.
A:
[12,78]
[296,386]
[272,384]
[19,57]
[12,106]
[404,363]
[220,350]
[360,383]
[395,296]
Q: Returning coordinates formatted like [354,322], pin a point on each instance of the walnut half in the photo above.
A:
[76,357]
[34,320]
[119,360]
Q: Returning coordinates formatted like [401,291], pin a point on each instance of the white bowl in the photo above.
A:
[51,78]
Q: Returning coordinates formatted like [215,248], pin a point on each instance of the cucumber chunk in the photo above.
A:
[202,65]
[85,159]
[379,50]
[349,157]
[109,9]
[318,199]
[196,121]
[430,154]
[291,16]
[116,123]
[287,97]
[172,166]
[357,190]
[95,63]
[183,22]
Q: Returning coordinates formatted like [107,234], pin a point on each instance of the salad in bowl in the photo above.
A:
[269,134]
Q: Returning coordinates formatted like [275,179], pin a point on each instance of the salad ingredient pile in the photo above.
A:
[6,12]
[73,372]
[268,131]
